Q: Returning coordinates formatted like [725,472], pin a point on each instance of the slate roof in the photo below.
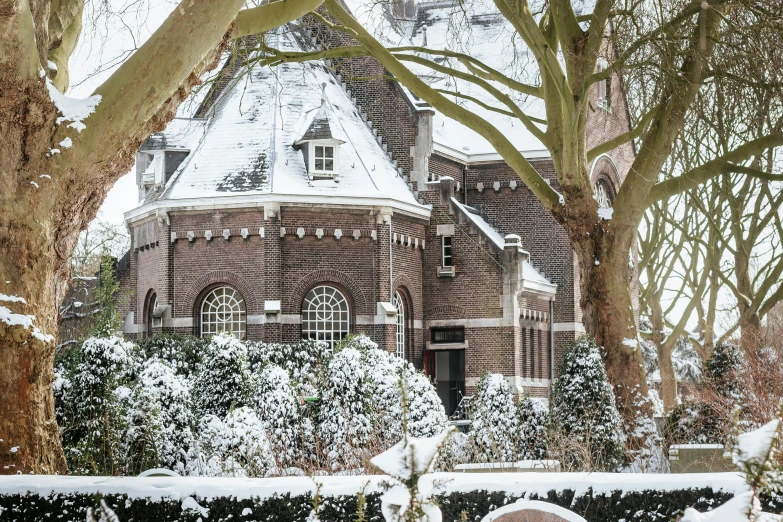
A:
[246,144]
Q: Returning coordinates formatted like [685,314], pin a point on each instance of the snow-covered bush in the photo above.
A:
[345,414]
[90,398]
[303,361]
[533,418]
[385,376]
[426,415]
[279,411]
[223,378]
[159,418]
[234,447]
[585,422]
[182,353]
[495,429]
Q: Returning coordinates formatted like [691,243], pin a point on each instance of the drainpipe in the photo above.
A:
[551,342]
[391,271]
[465,185]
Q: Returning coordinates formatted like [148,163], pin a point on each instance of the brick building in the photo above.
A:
[307,200]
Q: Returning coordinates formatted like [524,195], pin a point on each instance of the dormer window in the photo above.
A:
[320,148]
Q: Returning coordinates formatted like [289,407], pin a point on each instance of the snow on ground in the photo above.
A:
[242,488]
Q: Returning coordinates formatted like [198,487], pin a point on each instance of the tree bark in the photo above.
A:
[47,198]
[603,249]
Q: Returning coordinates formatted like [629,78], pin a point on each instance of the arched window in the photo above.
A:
[223,310]
[325,315]
[399,304]
[603,193]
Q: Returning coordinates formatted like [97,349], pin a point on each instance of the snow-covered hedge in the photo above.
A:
[599,497]
[231,408]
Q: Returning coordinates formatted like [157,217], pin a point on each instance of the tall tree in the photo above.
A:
[665,51]
[59,157]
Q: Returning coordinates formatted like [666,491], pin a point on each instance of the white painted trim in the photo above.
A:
[181,322]
[256,319]
[493,322]
[595,162]
[129,326]
[516,382]
[263,200]
[418,324]
[490,157]
[569,327]
[290,319]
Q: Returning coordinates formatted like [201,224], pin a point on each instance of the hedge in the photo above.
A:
[604,506]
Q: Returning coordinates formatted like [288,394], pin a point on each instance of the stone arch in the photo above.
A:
[604,168]
[343,282]
[403,281]
[448,311]
[243,286]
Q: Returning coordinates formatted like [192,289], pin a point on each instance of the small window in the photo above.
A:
[454,334]
[447,258]
[324,158]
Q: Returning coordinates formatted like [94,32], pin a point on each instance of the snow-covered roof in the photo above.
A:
[533,279]
[478,29]
[180,134]
[245,147]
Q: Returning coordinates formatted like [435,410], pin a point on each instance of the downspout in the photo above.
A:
[551,342]
[391,267]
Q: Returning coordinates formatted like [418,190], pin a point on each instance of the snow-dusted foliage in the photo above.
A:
[159,419]
[279,411]
[91,401]
[345,414]
[584,415]
[385,376]
[233,447]
[181,352]
[533,418]
[495,429]
[426,416]
[223,379]
[142,407]
[303,361]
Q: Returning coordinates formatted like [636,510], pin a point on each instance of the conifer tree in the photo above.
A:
[495,428]
[107,321]
[223,378]
[345,414]
[584,414]
[277,407]
[533,429]
[159,418]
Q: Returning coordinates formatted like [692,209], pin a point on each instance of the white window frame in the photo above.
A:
[399,304]
[443,255]
[603,194]
[335,158]
[326,315]
[213,316]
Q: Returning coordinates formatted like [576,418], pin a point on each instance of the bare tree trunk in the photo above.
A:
[607,310]
[33,267]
